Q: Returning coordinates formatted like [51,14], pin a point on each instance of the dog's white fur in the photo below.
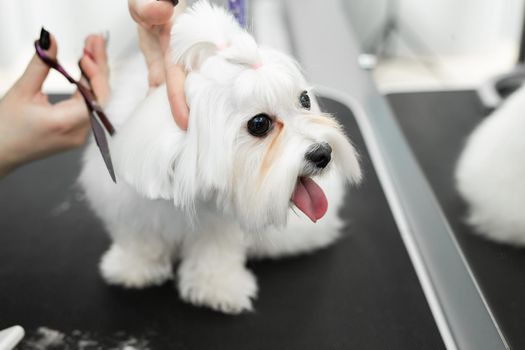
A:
[215,195]
[491,173]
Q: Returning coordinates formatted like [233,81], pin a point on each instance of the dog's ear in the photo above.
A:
[206,30]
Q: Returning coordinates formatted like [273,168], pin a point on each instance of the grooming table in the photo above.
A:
[436,125]
[361,293]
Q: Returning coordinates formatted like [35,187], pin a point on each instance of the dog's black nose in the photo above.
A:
[320,155]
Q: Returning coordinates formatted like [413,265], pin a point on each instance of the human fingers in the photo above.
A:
[150,47]
[175,78]
[95,47]
[98,79]
[70,113]
[149,13]
[95,66]
[36,72]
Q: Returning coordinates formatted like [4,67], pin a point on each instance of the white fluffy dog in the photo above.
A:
[491,173]
[224,190]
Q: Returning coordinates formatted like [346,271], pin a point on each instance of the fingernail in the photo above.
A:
[174,2]
[45,39]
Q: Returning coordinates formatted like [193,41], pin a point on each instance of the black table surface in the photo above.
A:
[361,293]
[436,125]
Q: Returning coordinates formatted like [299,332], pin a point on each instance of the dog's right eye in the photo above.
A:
[260,125]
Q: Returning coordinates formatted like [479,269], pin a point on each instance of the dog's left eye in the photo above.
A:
[304,100]
[260,125]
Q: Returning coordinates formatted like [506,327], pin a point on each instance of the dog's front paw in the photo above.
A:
[228,290]
[131,270]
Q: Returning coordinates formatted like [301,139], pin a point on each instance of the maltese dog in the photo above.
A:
[491,173]
[257,148]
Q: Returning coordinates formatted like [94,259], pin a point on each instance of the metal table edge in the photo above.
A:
[324,43]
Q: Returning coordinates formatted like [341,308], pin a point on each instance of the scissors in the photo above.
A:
[97,118]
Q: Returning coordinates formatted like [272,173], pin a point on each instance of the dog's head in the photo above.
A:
[256,137]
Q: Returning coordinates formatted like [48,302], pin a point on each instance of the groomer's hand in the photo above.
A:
[30,126]
[154,19]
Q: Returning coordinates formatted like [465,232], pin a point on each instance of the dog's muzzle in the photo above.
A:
[319,155]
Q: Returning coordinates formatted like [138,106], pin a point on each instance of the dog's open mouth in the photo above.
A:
[309,198]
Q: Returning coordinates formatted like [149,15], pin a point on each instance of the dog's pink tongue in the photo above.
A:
[310,198]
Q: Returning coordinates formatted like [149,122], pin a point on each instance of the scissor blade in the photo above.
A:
[102,143]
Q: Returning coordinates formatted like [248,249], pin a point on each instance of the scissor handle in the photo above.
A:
[86,92]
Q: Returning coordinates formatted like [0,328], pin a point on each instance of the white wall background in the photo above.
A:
[448,27]
[70,21]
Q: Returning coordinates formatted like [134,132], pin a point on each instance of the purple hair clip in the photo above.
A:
[238,9]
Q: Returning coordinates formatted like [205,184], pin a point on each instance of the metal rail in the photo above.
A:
[322,39]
